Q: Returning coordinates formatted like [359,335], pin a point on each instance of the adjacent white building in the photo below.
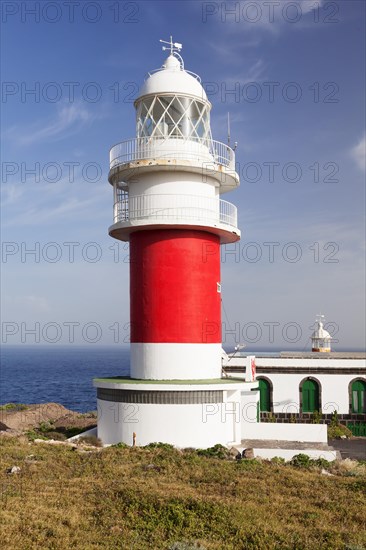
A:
[297,383]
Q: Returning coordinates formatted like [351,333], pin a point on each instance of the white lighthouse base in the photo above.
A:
[183,413]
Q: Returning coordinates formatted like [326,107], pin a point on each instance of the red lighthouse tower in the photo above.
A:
[167,184]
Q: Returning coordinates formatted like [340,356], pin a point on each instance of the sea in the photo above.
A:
[62,374]
[58,374]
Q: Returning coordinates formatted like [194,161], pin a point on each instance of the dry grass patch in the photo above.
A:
[142,498]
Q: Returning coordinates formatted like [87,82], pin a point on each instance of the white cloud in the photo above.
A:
[10,194]
[358,153]
[69,119]
[309,5]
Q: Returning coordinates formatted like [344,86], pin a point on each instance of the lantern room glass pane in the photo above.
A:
[173,117]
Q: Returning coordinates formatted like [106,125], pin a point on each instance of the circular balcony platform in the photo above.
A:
[208,157]
[156,211]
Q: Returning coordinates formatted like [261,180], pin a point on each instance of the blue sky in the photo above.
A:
[291,74]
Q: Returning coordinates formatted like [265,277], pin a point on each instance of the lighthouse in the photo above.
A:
[167,185]
[321,339]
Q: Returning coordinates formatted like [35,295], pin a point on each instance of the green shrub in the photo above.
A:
[321,463]
[316,417]
[217,451]
[301,461]
[336,431]
[334,421]
[45,427]
[32,435]
[278,460]
[13,407]
[159,445]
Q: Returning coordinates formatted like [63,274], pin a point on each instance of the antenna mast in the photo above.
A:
[228,129]
[173,46]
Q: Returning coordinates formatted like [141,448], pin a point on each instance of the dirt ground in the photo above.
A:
[354,448]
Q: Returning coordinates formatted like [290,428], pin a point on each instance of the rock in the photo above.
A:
[13,470]
[31,459]
[55,442]
[152,467]
[53,413]
[343,437]
[326,473]
[233,451]
[248,453]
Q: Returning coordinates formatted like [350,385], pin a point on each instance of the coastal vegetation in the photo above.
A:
[59,496]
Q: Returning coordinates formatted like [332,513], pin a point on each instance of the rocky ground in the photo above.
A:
[47,418]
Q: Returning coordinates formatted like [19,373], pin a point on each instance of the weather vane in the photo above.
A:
[320,318]
[173,46]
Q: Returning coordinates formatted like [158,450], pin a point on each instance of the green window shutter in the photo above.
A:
[310,396]
[265,393]
[359,396]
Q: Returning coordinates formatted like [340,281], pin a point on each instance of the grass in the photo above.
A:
[47,430]
[161,498]
[13,407]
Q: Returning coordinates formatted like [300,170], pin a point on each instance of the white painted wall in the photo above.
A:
[173,182]
[334,390]
[297,362]
[286,396]
[199,426]
[175,361]
[249,406]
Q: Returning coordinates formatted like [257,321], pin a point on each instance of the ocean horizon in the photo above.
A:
[64,374]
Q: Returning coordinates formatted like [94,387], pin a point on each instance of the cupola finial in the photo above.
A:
[173,46]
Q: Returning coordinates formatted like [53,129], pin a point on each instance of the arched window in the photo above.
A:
[358,392]
[264,395]
[310,396]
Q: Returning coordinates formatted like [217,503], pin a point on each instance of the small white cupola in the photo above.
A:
[320,339]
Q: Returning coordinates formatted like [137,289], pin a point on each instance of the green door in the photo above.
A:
[264,395]
[310,396]
[359,396]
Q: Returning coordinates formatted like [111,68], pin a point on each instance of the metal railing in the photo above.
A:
[162,207]
[192,149]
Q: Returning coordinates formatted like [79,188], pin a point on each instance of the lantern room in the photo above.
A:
[320,339]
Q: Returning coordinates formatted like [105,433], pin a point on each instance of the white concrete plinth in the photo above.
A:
[122,412]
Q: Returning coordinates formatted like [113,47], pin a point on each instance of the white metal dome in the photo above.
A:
[320,332]
[173,79]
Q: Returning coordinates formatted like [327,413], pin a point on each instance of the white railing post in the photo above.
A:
[146,148]
[207,209]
